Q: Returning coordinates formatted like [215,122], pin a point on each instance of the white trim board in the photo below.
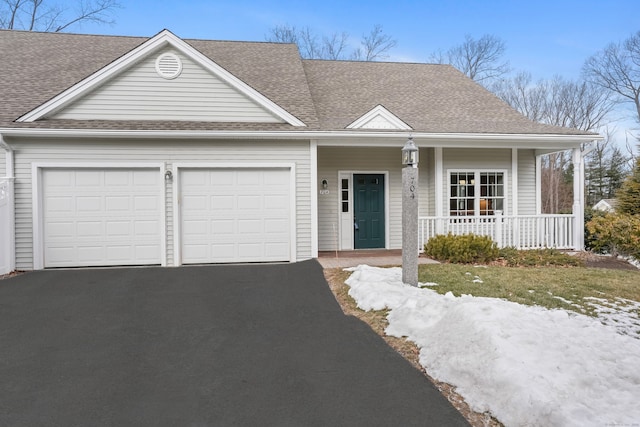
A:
[379,118]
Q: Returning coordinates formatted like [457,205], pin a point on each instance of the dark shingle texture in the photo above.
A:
[428,97]
[325,95]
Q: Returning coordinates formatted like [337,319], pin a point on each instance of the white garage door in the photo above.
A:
[235,215]
[98,217]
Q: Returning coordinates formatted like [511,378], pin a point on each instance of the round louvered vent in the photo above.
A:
[168,66]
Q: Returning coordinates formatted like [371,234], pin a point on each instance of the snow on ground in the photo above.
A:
[528,366]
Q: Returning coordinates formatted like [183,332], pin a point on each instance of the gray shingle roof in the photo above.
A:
[325,95]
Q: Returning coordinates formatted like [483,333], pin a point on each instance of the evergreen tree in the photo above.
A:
[629,194]
[606,168]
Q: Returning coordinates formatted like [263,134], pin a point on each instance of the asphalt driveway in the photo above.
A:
[257,345]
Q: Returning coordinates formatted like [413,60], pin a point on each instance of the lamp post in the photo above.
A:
[410,213]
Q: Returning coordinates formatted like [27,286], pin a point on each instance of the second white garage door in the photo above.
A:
[235,215]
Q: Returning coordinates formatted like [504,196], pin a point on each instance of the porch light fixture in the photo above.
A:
[325,184]
[410,154]
[168,176]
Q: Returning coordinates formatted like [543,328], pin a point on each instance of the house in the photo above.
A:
[605,205]
[142,151]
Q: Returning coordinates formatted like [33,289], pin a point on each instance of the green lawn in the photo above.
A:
[543,286]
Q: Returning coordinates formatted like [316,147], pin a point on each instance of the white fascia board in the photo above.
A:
[387,115]
[162,39]
[337,138]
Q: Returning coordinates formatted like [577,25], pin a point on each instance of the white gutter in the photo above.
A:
[8,157]
[323,137]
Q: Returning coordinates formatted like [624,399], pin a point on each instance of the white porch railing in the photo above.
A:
[521,231]
[6,226]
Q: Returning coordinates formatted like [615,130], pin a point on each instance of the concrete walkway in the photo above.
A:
[373,257]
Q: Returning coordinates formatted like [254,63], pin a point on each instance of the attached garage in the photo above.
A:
[236,214]
[100,216]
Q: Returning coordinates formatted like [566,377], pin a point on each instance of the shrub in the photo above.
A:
[590,240]
[537,258]
[616,233]
[464,249]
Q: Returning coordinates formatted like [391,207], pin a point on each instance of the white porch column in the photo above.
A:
[538,184]
[514,225]
[514,182]
[313,160]
[578,201]
[437,182]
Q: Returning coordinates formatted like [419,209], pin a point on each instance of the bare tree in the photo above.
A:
[374,46]
[560,102]
[49,16]
[335,46]
[617,68]
[481,59]
[576,104]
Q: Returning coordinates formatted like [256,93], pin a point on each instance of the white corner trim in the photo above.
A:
[162,39]
[379,118]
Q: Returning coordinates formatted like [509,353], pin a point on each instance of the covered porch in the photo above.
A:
[491,188]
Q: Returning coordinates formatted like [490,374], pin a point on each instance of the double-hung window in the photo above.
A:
[476,193]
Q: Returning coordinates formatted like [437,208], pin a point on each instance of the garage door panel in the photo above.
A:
[250,226]
[89,203]
[222,203]
[88,229]
[117,203]
[96,217]
[250,202]
[240,218]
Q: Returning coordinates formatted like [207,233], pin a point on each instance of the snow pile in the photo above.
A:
[526,365]
[623,314]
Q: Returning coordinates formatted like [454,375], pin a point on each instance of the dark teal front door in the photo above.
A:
[368,213]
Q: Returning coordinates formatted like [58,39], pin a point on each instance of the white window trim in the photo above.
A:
[38,213]
[177,220]
[477,190]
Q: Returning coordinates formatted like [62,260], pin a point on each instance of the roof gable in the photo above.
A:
[379,118]
[101,81]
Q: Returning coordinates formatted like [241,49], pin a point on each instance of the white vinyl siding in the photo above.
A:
[139,93]
[168,151]
[3,163]
[526,182]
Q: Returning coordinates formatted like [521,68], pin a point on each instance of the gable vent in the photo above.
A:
[168,66]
